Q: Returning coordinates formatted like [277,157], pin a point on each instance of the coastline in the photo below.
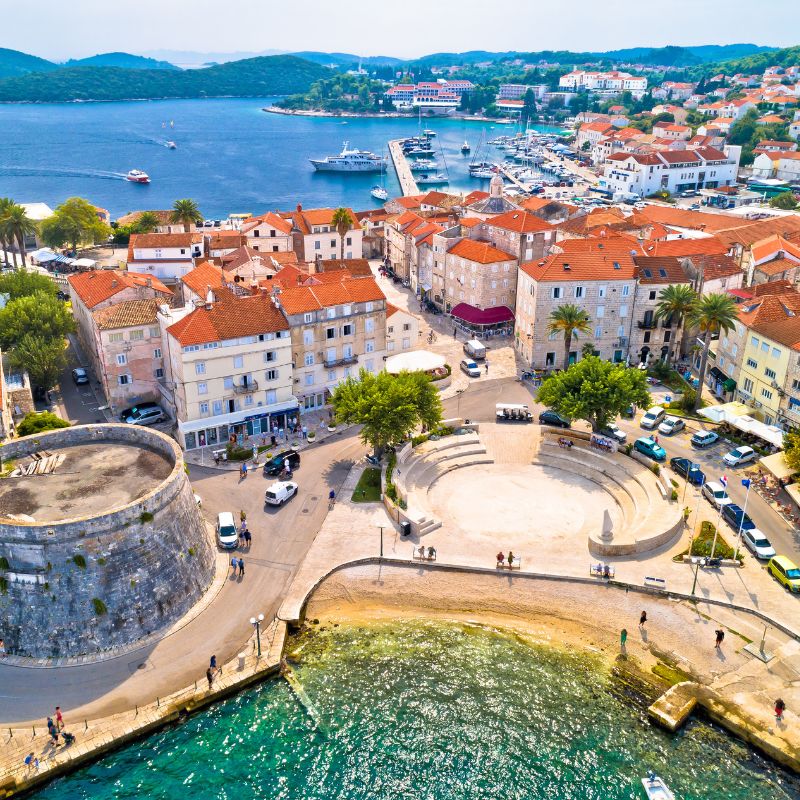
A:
[300,112]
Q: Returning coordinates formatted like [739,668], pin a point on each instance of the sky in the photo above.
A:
[61,29]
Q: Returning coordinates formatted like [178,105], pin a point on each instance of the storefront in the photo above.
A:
[480,322]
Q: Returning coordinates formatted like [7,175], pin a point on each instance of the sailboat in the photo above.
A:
[379,190]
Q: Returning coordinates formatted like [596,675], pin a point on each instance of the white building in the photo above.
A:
[168,256]
[604,83]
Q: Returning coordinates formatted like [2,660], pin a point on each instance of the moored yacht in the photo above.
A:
[379,193]
[349,161]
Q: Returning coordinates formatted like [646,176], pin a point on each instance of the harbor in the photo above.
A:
[402,168]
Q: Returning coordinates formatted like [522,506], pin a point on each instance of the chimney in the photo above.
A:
[148,282]
[209,298]
[114,283]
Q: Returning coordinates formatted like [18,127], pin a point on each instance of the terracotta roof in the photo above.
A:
[203,276]
[391,309]
[470,222]
[269,219]
[305,219]
[715,265]
[480,252]
[356,267]
[150,240]
[97,286]
[298,300]
[754,232]
[127,314]
[772,287]
[664,269]
[519,221]
[773,246]
[696,220]
[410,201]
[224,240]
[473,197]
[585,260]
[229,317]
[683,247]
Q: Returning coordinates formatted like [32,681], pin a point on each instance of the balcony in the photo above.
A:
[340,362]
[647,324]
[245,388]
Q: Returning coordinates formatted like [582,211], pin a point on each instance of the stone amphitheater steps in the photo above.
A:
[452,459]
[429,450]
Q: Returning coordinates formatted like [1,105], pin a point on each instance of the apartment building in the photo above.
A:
[268,233]
[597,275]
[314,235]
[521,233]
[336,329]
[167,256]
[604,83]
[671,130]
[228,368]
[402,330]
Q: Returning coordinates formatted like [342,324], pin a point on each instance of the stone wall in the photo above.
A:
[85,585]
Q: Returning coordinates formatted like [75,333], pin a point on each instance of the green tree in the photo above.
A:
[595,390]
[38,314]
[17,226]
[147,222]
[74,222]
[42,358]
[342,220]
[21,283]
[528,105]
[713,313]
[791,448]
[785,200]
[389,407]
[186,213]
[40,422]
[569,320]
[675,302]
[5,204]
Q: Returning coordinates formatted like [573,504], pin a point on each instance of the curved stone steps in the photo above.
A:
[453,459]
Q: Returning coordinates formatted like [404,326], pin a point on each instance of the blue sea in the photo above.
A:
[231,156]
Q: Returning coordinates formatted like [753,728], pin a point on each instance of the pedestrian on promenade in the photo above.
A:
[31,762]
[720,636]
[486,367]
[305,431]
[210,677]
[50,725]
[247,538]
[510,559]
[780,707]
[623,637]
[59,719]
[241,568]
[234,566]
[500,558]
[213,663]
[643,619]
[2,648]
[455,332]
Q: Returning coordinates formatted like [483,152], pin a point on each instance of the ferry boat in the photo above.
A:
[349,161]
[137,176]
[655,788]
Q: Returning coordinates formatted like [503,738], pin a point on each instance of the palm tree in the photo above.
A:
[5,204]
[186,212]
[342,220]
[569,320]
[675,302]
[18,225]
[148,221]
[713,313]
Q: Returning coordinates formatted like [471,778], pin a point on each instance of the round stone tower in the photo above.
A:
[101,540]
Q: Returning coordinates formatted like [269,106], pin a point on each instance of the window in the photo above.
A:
[157,352]
[369,346]
[368,306]
[272,397]
[754,341]
[735,349]
[626,290]
[238,362]
[227,382]
[204,409]
[776,353]
[330,333]
[136,336]
[347,330]
[115,337]
[651,295]
[348,372]
[406,343]
[155,332]
[317,244]
[199,367]
[770,373]
[308,359]
[555,293]
[122,360]
[406,326]
[202,388]
[331,312]
[270,355]
[623,311]
[668,336]
[333,242]
[579,292]
[369,325]
[747,385]
[216,407]
[309,378]
[347,351]
[349,240]
[248,400]
[390,345]
[598,332]
[271,374]
[601,291]
[796,385]
[767,394]
[159,372]
[331,374]
[308,337]
[123,380]
[752,364]
[550,359]
[764,347]
[601,312]
[369,364]
[308,317]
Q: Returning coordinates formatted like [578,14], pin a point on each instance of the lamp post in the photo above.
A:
[745,482]
[696,570]
[381,529]
[256,623]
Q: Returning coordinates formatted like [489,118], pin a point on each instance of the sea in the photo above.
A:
[231,155]
[425,710]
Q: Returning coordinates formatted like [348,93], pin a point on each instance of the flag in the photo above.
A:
[724,481]
[746,483]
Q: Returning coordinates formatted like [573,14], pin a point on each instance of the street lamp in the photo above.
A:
[256,623]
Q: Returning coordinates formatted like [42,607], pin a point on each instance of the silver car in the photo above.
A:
[470,367]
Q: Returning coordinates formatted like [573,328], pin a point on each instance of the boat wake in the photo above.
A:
[40,172]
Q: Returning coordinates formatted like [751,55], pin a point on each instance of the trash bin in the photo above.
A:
[405,528]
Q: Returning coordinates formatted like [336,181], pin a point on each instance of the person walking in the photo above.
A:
[234,566]
[486,367]
[213,663]
[780,707]
[210,677]
[51,727]
[643,619]
[720,636]
[623,637]
[59,719]
[241,568]
[510,559]
[2,648]
[305,431]
[31,762]
[455,333]
[247,538]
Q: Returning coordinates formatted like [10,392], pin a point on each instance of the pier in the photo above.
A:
[516,181]
[407,183]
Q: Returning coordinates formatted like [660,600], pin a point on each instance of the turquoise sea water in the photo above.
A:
[231,156]
[431,711]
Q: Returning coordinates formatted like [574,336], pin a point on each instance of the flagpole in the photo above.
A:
[741,523]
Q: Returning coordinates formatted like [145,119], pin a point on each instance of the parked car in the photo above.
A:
[735,516]
[785,571]
[475,349]
[653,417]
[704,439]
[80,376]
[277,463]
[757,543]
[280,492]
[648,447]
[550,417]
[671,425]
[227,535]
[470,368]
[614,432]
[741,455]
[716,494]
[143,414]
[689,470]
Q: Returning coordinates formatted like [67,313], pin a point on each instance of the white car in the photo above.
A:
[227,535]
[614,432]
[741,455]
[671,425]
[758,544]
[716,494]
[280,492]
[470,367]
[653,417]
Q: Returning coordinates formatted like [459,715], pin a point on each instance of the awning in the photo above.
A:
[426,287]
[414,361]
[483,316]
[776,464]
[769,433]
[729,385]
[717,373]
[727,412]
[85,263]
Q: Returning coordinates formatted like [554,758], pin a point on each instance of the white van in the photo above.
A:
[280,492]
[475,349]
[654,417]
[227,535]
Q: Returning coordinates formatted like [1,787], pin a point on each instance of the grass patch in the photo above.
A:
[145,517]
[671,675]
[99,606]
[701,545]
[368,488]
[79,560]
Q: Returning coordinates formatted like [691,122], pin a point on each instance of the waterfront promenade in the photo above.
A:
[402,168]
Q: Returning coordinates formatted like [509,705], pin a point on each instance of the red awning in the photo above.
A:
[483,316]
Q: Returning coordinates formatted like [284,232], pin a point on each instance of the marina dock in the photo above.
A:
[407,183]
[516,181]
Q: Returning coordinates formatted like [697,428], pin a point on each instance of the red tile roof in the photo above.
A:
[97,286]
[586,260]
[298,300]
[203,276]
[519,221]
[480,252]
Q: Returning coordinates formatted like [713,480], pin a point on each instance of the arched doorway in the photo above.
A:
[644,353]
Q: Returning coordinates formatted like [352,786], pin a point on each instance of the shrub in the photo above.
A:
[79,560]
[674,495]
[687,400]
[190,551]
[38,422]
[3,586]
[236,453]
[99,606]
[146,516]
[701,544]
[655,468]
[628,448]
[101,562]
[3,562]
[661,370]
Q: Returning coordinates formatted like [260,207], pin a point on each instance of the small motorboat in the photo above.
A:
[137,176]
[379,193]
[431,180]
[428,133]
[655,788]
[172,146]
[465,147]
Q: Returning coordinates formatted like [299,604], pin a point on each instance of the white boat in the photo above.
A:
[423,165]
[379,193]
[349,161]
[428,133]
[655,788]
[172,146]
[465,147]
[430,180]
[137,176]
[485,174]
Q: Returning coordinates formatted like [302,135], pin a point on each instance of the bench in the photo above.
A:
[655,583]
[601,570]
[515,564]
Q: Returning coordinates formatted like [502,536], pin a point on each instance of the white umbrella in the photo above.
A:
[414,361]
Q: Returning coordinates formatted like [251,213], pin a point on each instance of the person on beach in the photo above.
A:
[247,538]
[213,663]
[31,762]
[720,636]
[501,558]
[69,738]
[431,552]
[780,707]
[643,619]
[234,567]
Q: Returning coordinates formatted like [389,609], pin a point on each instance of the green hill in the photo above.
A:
[252,77]
[124,60]
[758,62]
[13,62]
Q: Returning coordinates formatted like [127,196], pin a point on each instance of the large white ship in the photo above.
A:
[350,161]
